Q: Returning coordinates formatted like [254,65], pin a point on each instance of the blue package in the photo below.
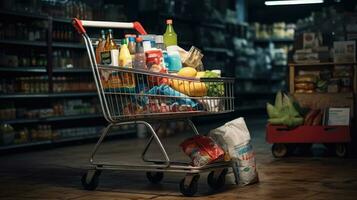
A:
[167,90]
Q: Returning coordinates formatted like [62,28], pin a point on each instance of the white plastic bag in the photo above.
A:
[234,138]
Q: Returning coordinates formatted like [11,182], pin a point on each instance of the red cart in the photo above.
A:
[285,140]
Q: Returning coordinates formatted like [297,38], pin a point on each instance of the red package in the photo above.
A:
[155,63]
[202,150]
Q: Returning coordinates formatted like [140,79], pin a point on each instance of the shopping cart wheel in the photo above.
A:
[90,180]
[279,150]
[215,181]
[341,150]
[188,185]
[155,177]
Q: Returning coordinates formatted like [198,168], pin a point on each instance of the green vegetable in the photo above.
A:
[214,89]
[285,111]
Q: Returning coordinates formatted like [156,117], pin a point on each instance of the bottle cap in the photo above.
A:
[110,31]
[139,39]
[159,39]
[169,21]
[123,41]
[131,39]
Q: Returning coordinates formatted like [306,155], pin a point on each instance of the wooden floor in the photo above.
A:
[55,174]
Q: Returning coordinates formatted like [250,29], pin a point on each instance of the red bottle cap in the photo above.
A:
[169,21]
[139,39]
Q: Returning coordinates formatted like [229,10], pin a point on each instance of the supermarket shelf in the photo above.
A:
[24,42]
[268,78]
[21,14]
[68,45]
[268,40]
[63,20]
[213,25]
[74,117]
[73,70]
[23,69]
[51,119]
[30,144]
[319,64]
[72,139]
[54,95]
[58,141]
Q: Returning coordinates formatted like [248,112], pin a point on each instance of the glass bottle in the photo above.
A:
[100,46]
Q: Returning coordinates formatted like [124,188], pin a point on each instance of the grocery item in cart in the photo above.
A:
[140,59]
[174,59]
[170,37]
[234,138]
[110,54]
[100,46]
[202,150]
[171,96]
[189,88]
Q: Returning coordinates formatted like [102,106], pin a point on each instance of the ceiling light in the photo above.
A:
[292,2]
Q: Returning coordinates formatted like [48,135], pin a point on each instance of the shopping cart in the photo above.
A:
[133,96]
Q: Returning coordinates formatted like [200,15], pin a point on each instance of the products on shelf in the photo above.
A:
[72,84]
[64,33]
[331,80]
[32,84]
[70,59]
[278,30]
[33,31]
[77,132]
[59,108]
[25,59]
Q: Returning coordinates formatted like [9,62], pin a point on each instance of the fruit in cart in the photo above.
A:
[187,72]
[190,88]
[200,74]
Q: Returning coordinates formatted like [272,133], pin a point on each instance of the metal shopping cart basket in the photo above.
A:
[133,96]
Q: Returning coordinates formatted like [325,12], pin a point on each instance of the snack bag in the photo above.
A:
[202,150]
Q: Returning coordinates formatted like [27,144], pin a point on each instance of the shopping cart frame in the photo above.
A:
[155,169]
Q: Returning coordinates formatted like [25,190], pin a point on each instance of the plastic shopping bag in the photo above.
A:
[234,138]
[202,150]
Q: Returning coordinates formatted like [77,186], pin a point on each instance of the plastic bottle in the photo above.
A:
[139,61]
[124,56]
[100,46]
[174,59]
[125,60]
[170,37]
[159,40]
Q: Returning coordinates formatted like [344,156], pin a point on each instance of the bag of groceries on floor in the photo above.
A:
[202,150]
[234,138]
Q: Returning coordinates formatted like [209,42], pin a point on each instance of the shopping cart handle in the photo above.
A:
[79,25]
[139,28]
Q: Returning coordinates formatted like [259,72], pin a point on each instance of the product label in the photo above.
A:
[106,58]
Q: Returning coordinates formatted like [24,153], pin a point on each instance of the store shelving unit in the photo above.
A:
[48,46]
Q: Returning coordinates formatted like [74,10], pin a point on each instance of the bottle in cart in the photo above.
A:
[110,54]
[140,59]
[100,46]
[125,60]
[170,37]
